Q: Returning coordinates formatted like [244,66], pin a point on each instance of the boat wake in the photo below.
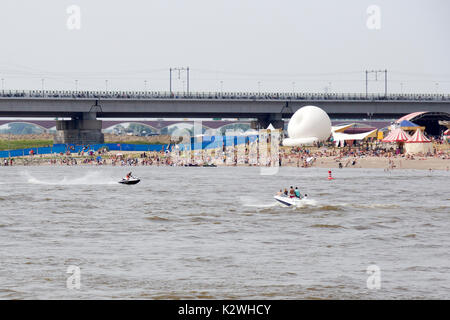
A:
[91,178]
[256,203]
[307,203]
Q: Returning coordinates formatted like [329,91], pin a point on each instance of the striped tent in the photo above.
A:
[419,143]
[447,135]
[418,137]
[397,135]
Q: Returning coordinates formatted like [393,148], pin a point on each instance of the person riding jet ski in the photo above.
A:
[129,179]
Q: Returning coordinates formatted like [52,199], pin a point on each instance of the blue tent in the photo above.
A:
[406,123]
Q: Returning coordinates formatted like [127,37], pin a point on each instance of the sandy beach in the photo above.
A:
[437,162]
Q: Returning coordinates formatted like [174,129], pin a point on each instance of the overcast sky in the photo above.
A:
[229,45]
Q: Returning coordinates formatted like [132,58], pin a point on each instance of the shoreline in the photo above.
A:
[420,163]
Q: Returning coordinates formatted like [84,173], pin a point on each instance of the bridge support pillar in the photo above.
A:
[275,119]
[81,130]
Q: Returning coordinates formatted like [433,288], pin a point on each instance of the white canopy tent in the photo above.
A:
[341,128]
[339,137]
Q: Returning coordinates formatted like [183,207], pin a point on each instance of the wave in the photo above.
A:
[261,205]
[91,178]
[256,203]
[372,205]
[331,226]
[307,203]
[157,218]
[317,207]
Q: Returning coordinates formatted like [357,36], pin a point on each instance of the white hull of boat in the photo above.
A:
[288,201]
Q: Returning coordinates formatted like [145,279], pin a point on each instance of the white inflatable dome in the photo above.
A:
[308,125]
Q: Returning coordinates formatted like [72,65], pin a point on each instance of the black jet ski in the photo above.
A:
[132,180]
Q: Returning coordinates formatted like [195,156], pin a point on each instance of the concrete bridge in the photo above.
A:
[83,107]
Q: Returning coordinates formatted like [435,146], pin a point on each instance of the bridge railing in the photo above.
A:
[62,94]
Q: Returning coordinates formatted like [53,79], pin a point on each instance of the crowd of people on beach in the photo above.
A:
[243,155]
[299,156]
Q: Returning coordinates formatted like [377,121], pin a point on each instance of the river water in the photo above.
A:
[216,233]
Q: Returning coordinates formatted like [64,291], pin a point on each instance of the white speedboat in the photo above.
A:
[288,201]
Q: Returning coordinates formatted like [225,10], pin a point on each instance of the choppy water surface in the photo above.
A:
[217,233]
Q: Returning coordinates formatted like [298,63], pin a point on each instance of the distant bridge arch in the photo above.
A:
[45,124]
[185,125]
[109,125]
[234,126]
[11,124]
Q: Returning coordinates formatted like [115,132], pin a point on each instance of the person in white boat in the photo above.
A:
[291,192]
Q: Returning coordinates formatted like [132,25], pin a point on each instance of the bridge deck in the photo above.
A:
[220,96]
[211,105]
